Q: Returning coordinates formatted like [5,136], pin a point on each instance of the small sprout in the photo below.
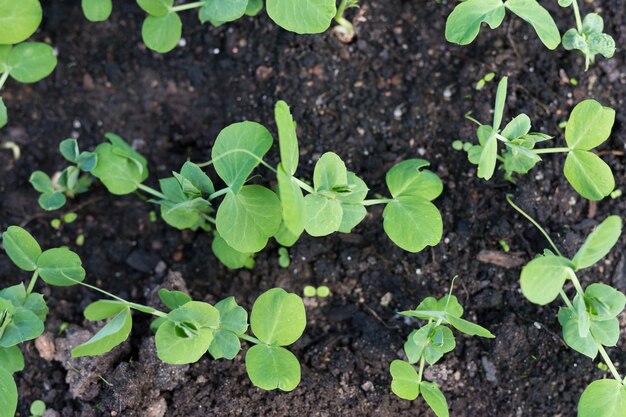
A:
[55,223]
[323,291]
[602,366]
[37,408]
[573,81]
[483,81]
[80,240]
[283,258]
[63,327]
[505,246]
[616,194]
[13,147]
[70,218]
[309,291]
[457,145]
[152,216]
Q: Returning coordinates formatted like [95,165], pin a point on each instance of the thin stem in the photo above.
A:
[219,193]
[471,119]
[140,307]
[4,77]
[208,218]
[33,280]
[250,339]
[501,138]
[303,185]
[152,191]
[421,371]
[534,222]
[377,201]
[550,150]
[608,361]
[576,282]
[187,6]
[566,299]
[579,22]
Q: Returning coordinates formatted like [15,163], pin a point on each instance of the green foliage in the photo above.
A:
[589,125]
[120,168]
[588,38]
[4,117]
[37,408]
[8,394]
[28,62]
[302,16]
[18,20]
[464,22]
[429,344]
[605,398]
[97,10]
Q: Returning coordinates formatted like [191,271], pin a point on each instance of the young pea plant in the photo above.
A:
[429,344]
[25,62]
[248,215]
[589,126]
[162,29]
[589,321]
[587,37]
[67,183]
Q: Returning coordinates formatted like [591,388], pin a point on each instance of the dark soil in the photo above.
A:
[398,91]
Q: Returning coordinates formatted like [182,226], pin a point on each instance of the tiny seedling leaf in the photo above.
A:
[405,383]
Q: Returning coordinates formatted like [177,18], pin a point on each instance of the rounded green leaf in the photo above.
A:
[230,257]
[463,24]
[156,7]
[120,168]
[302,16]
[11,359]
[238,149]
[201,315]
[60,267]
[176,348]
[434,398]
[21,247]
[8,394]
[247,220]
[173,299]
[254,7]
[599,243]
[110,336]
[222,11]
[543,278]
[97,10]
[330,172]
[162,33]
[603,398]
[605,302]
[590,176]
[103,309]
[278,317]
[322,215]
[586,345]
[52,200]
[539,18]
[589,125]
[352,215]
[405,383]
[605,332]
[225,345]
[30,62]
[233,323]
[37,408]
[406,178]
[25,325]
[18,20]
[272,367]
[413,223]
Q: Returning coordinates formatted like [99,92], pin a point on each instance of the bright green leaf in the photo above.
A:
[156,7]
[21,247]
[568,318]
[60,267]
[8,393]
[18,20]
[603,398]
[599,243]
[24,325]
[30,62]
[464,22]
[97,10]
[278,317]
[11,359]
[407,179]
[173,299]
[302,16]
[176,348]
[589,125]
[322,215]
[590,176]
[287,138]
[543,278]
[120,168]
[604,302]
[467,327]
[330,172]
[539,18]
[498,110]
[405,383]
[434,398]
[272,367]
[230,257]
[110,336]
[292,202]
[103,309]
[4,116]
[222,11]
[412,223]
[162,33]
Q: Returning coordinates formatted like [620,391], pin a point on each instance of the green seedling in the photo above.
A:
[463,24]
[80,240]
[162,28]
[309,291]
[322,291]
[37,408]
[283,258]
[589,126]
[67,219]
[589,320]
[587,37]
[243,216]
[71,181]
[429,344]
[10,145]
[25,62]
[486,79]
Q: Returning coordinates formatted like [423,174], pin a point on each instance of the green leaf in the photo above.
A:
[412,223]
[18,20]
[254,7]
[584,321]
[197,177]
[37,408]
[162,33]
[272,367]
[603,398]
[120,168]
[173,299]
[302,16]
[222,11]
[4,117]
[405,383]
[604,302]
[238,149]
[156,7]
[60,267]
[407,179]
[441,341]
[103,309]
[292,202]
[434,398]
[69,149]
[52,200]
[539,18]
[517,127]
[417,342]
[8,389]
[605,332]
[177,348]
[464,22]
[278,318]
[233,323]
[287,138]
[467,327]
[498,110]
[352,215]
[24,325]
[30,62]
[488,158]
[21,247]
[330,172]
[233,259]
[97,10]
[599,243]
[247,220]
[565,3]
[589,125]
[16,294]
[590,176]
[543,278]
[568,318]
[36,304]
[11,359]
[323,215]
[201,315]
[110,336]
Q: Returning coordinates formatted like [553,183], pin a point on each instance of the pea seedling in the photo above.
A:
[27,62]
[589,125]
[429,344]
[37,408]
[589,321]
[162,29]
[249,214]
[183,335]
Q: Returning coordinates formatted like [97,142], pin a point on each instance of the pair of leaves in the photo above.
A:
[589,126]
[58,266]
[97,10]
[120,168]
[431,342]
[406,384]
[591,41]
[278,319]
[27,62]
[22,318]
[542,279]
[463,24]
[605,398]
[18,20]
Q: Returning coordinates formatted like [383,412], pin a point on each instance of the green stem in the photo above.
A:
[550,150]
[534,222]
[346,26]
[187,6]
[377,201]
[608,361]
[219,193]
[576,282]
[579,22]
[208,218]
[566,299]
[421,371]
[140,307]
[4,77]
[152,191]
[304,185]
[33,281]
[250,339]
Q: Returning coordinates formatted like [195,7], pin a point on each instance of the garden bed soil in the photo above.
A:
[398,91]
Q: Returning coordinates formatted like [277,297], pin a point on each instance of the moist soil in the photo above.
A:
[397,91]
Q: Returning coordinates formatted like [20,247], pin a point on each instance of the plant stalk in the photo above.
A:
[608,361]
[187,6]
[550,150]
[250,339]
[4,77]
[33,281]
[373,202]
[152,191]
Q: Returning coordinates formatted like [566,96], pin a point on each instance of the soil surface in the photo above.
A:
[398,91]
